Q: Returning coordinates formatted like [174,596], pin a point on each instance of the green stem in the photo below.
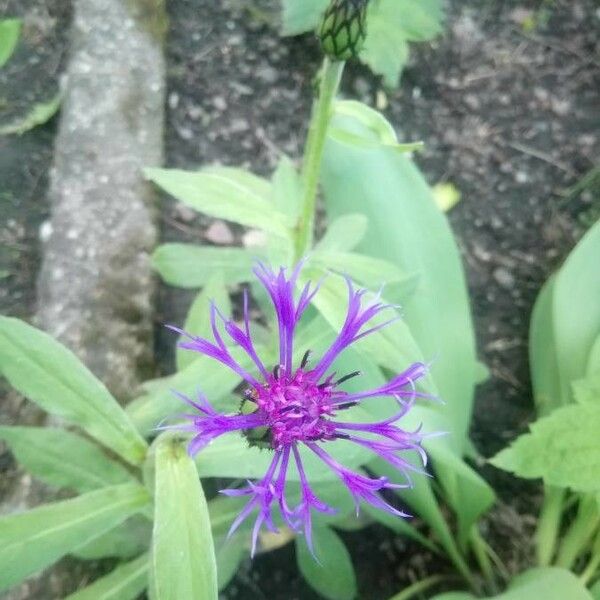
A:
[419,587]
[331,74]
[580,532]
[480,550]
[549,525]
[593,565]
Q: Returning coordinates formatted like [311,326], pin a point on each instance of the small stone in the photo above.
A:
[504,278]
[219,103]
[254,238]
[45,231]
[219,233]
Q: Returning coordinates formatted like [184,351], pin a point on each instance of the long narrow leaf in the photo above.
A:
[52,376]
[183,558]
[62,458]
[126,582]
[218,195]
[32,540]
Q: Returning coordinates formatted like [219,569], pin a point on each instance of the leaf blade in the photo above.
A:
[33,540]
[51,375]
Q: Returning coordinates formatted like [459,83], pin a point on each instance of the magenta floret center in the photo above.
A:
[295,407]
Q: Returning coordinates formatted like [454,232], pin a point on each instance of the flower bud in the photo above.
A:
[343,28]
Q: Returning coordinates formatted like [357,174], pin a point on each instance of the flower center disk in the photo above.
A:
[295,408]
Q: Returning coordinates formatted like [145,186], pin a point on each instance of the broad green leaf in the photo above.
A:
[407,228]
[64,459]
[595,590]
[198,318]
[258,185]
[562,448]
[183,561]
[218,195]
[33,540]
[378,127]
[10,30]
[127,540]
[38,115]
[287,188]
[126,582]
[372,272]
[420,22]
[52,376]
[332,574]
[587,389]
[545,376]
[549,583]
[390,24]
[301,15]
[192,266]
[343,233]
[229,554]
[576,309]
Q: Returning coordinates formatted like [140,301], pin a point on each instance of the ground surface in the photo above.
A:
[511,118]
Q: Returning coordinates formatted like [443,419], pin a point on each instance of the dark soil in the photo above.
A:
[511,118]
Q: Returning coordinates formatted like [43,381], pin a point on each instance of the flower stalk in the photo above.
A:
[330,76]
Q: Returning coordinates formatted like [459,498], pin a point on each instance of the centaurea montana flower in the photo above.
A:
[300,406]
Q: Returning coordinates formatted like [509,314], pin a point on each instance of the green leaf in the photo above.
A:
[33,540]
[302,15]
[390,25]
[38,115]
[593,365]
[562,448]
[421,499]
[343,233]
[385,50]
[10,30]
[467,493]
[545,376]
[576,309]
[287,189]
[407,228]
[53,377]
[230,553]
[377,126]
[192,266]
[219,195]
[549,583]
[202,375]
[64,459]
[126,582]
[333,575]
[183,558]
[124,541]
[595,590]
[372,272]
[258,185]
[198,317]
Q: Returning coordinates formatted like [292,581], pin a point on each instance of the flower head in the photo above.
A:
[293,406]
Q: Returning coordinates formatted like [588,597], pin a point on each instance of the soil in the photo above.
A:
[510,116]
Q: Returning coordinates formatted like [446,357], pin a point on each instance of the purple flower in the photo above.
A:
[293,406]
